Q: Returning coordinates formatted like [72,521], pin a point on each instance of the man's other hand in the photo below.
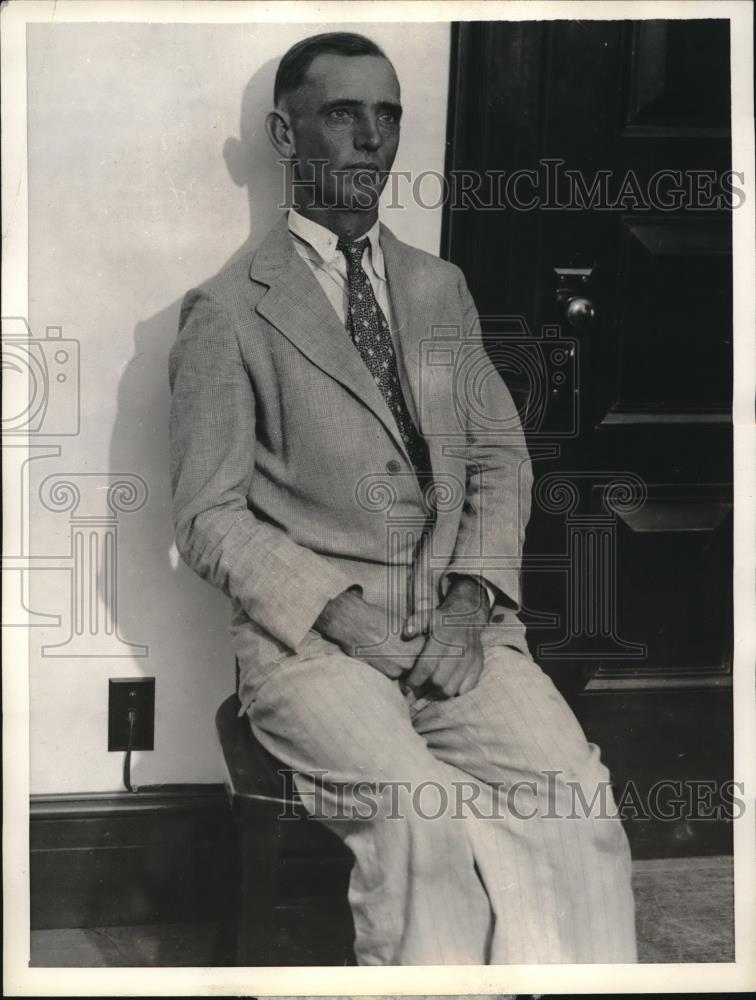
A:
[363,631]
[451,661]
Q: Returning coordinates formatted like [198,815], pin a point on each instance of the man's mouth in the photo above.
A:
[372,167]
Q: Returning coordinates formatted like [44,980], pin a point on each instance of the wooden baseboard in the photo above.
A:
[164,854]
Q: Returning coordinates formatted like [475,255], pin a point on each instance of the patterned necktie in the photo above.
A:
[369,330]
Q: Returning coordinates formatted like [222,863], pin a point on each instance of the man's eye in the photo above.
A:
[388,118]
[340,115]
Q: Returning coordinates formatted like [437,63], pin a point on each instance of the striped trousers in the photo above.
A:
[483,827]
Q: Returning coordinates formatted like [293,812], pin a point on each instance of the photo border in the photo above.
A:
[19,979]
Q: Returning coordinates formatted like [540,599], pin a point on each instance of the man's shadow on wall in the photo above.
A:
[165,605]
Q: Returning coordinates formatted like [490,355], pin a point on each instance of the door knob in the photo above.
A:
[579,312]
[573,284]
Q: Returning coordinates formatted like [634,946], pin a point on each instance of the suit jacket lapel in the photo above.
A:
[297,306]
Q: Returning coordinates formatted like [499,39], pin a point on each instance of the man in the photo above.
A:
[331,476]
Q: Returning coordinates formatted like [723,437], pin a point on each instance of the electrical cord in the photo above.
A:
[127,759]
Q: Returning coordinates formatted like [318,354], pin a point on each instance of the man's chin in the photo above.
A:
[362,197]
[349,198]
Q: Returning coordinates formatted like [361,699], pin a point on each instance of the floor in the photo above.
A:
[684,914]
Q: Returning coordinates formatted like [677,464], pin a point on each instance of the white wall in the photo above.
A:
[131,202]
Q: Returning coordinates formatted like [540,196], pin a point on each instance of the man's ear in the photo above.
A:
[278,127]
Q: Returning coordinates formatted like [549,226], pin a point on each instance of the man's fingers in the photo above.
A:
[470,679]
[447,675]
[386,666]
[424,666]
[437,663]
[420,673]
[394,664]
[467,684]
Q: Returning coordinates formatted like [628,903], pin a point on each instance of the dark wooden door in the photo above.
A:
[597,243]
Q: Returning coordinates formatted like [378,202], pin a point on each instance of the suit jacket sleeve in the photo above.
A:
[281,585]
[499,476]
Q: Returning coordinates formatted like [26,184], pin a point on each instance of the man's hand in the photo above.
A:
[452,659]
[362,630]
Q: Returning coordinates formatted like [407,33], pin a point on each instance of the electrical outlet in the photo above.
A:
[125,694]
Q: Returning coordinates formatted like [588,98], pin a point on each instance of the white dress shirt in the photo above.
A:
[316,245]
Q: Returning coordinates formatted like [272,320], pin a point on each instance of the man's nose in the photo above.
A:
[368,135]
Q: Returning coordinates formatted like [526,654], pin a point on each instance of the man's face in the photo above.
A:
[346,113]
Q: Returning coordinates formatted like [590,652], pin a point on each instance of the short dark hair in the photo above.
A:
[293,67]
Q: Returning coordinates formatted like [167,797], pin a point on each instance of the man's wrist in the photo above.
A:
[338,621]
[468,593]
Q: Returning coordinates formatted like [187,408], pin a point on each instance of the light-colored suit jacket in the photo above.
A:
[290,479]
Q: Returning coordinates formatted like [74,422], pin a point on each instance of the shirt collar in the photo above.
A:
[323,241]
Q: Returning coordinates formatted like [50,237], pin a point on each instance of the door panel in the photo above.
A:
[673,318]
[666,548]
[679,79]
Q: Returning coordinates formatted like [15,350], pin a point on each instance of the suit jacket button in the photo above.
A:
[393,467]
